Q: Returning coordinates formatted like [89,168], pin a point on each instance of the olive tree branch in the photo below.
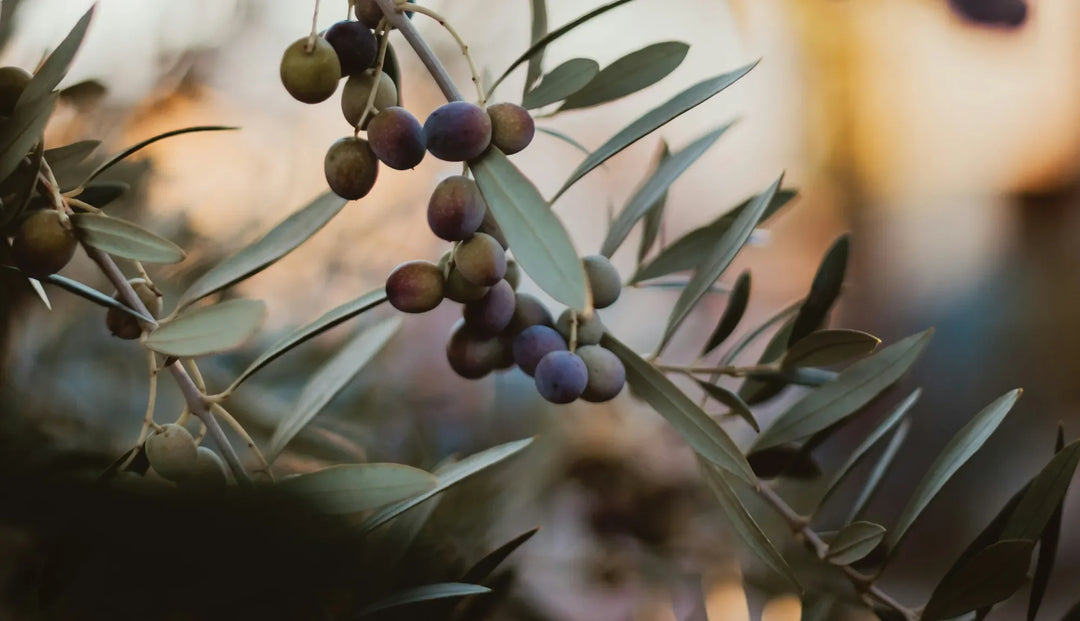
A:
[397,19]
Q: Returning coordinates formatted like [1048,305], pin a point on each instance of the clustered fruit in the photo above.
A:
[173,453]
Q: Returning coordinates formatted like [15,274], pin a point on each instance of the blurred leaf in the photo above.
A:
[655,188]
[541,245]
[392,68]
[7,19]
[538,46]
[629,74]
[487,565]
[855,387]
[55,67]
[686,252]
[991,575]
[61,159]
[713,263]
[743,524]
[1044,496]
[282,239]
[739,346]
[424,593]
[9,213]
[538,29]
[654,214]
[787,460]
[149,141]
[880,468]
[101,194]
[828,347]
[93,295]
[208,330]
[817,607]
[733,313]
[955,454]
[330,379]
[22,131]
[702,433]
[871,440]
[352,488]
[448,477]
[653,120]
[35,284]
[307,332]
[731,400]
[756,390]
[125,239]
[854,542]
[561,82]
[561,136]
[83,96]
[823,291]
[1048,544]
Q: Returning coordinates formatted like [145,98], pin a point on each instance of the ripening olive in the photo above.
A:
[492,313]
[533,344]
[607,375]
[461,290]
[528,311]
[354,96]
[354,44]
[368,11]
[472,355]
[604,280]
[456,208]
[481,260]
[512,127]
[124,326]
[171,451]
[415,287]
[397,138]
[43,244]
[589,331]
[457,131]
[311,75]
[561,377]
[351,167]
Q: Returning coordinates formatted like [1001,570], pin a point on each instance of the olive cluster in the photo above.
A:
[174,454]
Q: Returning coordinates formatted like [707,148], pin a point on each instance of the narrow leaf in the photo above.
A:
[743,524]
[756,390]
[654,188]
[281,240]
[18,201]
[330,319]
[854,542]
[352,488]
[149,141]
[561,82]
[101,194]
[880,468]
[538,29]
[208,330]
[702,433]
[1044,496]
[955,454]
[70,155]
[629,74]
[823,290]
[654,214]
[125,239]
[331,379]
[22,131]
[653,120]
[1048,544]
[855,387]
[541,245]
[448,477]
[992,575]
[35,284]
[565,138]
[487,565]
[717,260]
[731,400]
[93,295]
[426,593]
[739,346]
[827,347]
[733,313]
[787,460]
[56,66]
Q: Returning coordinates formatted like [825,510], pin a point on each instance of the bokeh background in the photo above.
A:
[948,147]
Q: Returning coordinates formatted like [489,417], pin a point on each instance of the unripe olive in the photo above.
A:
[457,131]
[461,290]
[397,138]
[354,44]
[124,326]
[310,76]
[512,127]
[472,355]
[368,11]
[607,375]
[589,331]
[351,167]
[604,280]
[43,244]
[456,208]
[481,260]
[354,96]
[13,81]
[172,452]
[415,286]
[492,313]
[208,471]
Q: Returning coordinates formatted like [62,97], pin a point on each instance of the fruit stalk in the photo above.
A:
[398,20]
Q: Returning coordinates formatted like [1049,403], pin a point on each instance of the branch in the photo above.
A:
[398,20]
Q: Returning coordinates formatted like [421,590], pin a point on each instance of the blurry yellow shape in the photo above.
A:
[727,601]
[786,608]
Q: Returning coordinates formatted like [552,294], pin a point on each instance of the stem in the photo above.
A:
[573,330]
[481,98]
[398,20]
[376,75]
[217,409]
[314,29]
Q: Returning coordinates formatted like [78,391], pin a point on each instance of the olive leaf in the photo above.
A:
[112,161]
[538,29]
[561,82]
[125,239]
[758,389]
[824,290]
[101,194]
[655,187]
[991,575]
[352,488]
[35,284]
[18,202]
[565,138]
[827,347]
[627,75]
[329,380]
[208,330]
[854,542]
[880,468]
[426,593]
[1048,543]
[731,400]
[55,67]
[733,313]
[70,155]
[1043,496]
[491,561]
[654,214]
[278,242]
[93,295]
[541,245]
[784,314]
[22,131]
[787,460]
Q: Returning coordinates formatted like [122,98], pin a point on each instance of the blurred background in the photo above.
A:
[943,134]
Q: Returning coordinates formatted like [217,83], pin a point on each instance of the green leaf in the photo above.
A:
[686,252]
[790,461]
[487,565]
[35,284]
[538,29]
[56,66]
[93,295]
[880,468]
[854,542]
[955,454]
[702,433]
[20,200]
[352,488]
[654,214]
[743,524]
[565,138]
[448,477]
[282,239]
[1048,544]
[424,593]
[392,68]
[855,387]
[879,432]
[208,330]
[756,390]
[731,400]
[827,347]
[561,82]
[328,320]
[541,245]
[992,575]
[22,131]
[713,263]
[331,379]
[1043,496]
[629,74]
[781,315]
[817,607]
[125,239]
[67,156]
[101,194]
[655,188]
[733,313]
[653,120]
[823,291]
[149,141]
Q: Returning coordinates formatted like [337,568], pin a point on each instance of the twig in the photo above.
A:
[376,76]
[481,98]
[310,45]
[398,20]
[217,409]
